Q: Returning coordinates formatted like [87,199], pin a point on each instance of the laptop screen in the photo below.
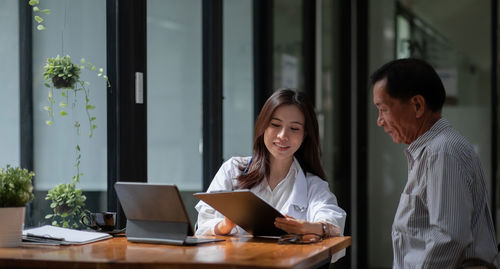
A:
[152,202]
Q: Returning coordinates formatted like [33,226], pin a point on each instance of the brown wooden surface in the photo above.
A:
[241,252]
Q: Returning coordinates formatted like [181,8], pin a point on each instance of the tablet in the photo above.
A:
[245,209]
[156,214]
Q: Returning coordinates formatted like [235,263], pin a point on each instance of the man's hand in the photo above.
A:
[224,227]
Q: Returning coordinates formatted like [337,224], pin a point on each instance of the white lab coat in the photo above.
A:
[310,199]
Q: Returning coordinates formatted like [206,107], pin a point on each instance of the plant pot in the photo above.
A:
[11,228]
[61,83]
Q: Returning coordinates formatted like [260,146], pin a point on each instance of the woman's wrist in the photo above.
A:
[324,230]
[329,230]
[223,228]
[220,228]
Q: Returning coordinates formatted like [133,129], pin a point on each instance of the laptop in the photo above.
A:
[156,214]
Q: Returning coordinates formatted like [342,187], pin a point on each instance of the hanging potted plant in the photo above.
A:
[62,72]
[62,77]
[68,204]
[16,190]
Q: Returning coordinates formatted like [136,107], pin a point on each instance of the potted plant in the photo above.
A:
[62,77]
[62,72]
[68,204]
[16,190]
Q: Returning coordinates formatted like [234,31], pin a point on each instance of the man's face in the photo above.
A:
[398,118]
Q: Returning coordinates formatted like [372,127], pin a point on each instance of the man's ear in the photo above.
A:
[419,105]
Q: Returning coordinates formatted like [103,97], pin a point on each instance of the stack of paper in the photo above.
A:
[63,236]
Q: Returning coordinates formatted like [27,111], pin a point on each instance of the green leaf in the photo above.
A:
[40,27]
[49,216]
[34,2]
[63,113]
[90,107]
[38,19]
[54,223]
[49,122]
[92,118]
[46,85]
[46,11]
[82,61]
[63,104]
[101,70]
[94,126]
[36,9]
[50,94]
[47,108]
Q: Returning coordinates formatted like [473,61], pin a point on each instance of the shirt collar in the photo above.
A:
[416,147]
[299,191]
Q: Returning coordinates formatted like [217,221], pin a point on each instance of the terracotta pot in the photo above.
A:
[11,228]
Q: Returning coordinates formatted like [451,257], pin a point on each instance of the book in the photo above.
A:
[53,235]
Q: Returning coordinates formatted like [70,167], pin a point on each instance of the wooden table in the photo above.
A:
[235,252]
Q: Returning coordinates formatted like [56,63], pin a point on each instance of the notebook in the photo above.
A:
[245,209]
[61,236]
[156,214]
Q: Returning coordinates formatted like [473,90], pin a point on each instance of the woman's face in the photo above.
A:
[285,132]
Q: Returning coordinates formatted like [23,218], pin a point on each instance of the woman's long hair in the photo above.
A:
[309,152]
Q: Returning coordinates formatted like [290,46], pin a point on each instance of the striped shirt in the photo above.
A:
[443,214]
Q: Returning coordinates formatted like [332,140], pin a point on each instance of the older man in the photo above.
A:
[443,215]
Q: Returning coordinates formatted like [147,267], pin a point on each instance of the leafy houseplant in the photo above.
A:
[68,204]
[16,190]
[38,10]
[63,76]
[60,73]
[63,73]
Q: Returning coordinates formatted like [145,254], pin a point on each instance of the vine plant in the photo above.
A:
[38,10]
[62,77]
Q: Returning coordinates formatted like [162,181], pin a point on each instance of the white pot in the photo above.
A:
[11,227]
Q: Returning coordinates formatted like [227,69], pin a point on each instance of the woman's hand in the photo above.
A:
[295,226]
[224,227]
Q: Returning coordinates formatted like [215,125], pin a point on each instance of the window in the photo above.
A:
[237,109]
[9,75]
[174,93]
[69,31]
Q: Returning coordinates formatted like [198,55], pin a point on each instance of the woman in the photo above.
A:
[285,171]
